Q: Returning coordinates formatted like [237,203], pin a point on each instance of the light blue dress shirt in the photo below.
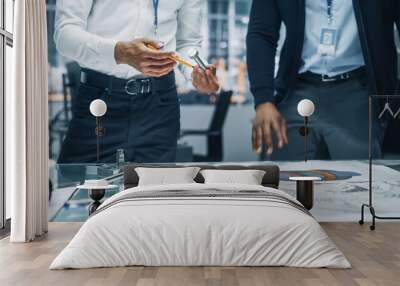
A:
[348,54]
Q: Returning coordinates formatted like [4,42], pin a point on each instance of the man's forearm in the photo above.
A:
[73,40]
[261,67]
[85,48]
[189,36]
[262,38]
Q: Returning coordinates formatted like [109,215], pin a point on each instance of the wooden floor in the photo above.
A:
[375,257]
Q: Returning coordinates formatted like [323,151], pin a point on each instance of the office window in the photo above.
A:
[6,44]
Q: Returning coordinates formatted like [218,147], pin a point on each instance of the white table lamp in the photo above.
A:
[305,108]
[98,109]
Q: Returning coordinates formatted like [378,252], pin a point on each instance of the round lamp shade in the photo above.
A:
[98,108]
[306,108]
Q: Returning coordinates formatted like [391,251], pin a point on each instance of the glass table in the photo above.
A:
[340,194]
[67,203]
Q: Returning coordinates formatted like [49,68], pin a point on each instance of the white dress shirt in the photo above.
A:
[87,31]
[348,55]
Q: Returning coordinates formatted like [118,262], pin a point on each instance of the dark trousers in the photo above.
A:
[145,126]
[339,126]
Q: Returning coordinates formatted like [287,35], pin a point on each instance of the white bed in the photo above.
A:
[208,230]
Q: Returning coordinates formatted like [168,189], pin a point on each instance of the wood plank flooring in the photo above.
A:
[375,257]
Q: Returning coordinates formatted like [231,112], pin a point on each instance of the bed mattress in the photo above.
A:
[201,225]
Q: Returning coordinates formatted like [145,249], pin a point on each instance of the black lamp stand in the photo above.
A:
[100,132]
[304,130]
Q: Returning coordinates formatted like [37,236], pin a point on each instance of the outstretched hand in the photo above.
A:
[268,119]
[205,81]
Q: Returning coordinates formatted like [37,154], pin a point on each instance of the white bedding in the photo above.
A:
[200,231]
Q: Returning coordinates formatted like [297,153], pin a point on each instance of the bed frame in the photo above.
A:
[271,178]
[131,178]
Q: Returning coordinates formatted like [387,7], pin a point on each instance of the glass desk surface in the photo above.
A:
[68,204]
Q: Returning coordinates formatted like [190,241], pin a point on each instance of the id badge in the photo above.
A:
[327,42]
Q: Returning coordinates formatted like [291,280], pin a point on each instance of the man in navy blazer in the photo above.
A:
[336,53]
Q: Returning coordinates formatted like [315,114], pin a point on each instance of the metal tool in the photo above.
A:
[195,56]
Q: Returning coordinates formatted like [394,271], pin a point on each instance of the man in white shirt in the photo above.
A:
[111,42]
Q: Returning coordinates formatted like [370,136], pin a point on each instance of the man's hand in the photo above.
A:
[267,119]
[148,61]
[205,81]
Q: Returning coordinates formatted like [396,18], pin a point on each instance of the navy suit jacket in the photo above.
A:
[375,20]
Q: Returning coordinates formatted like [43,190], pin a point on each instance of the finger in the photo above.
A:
[258,141]
[268,138]
[195,76]
[166,68]
[152,43]
[199,79]
[278,131]
[154,74]
[203,78]
[154,54]
[212,80]
[255,138]
[158,62]
[211,77]
[196,73]
[150,74]
[212,68]
[159,70]
[284,132]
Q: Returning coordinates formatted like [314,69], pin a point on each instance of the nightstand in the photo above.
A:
[305,190]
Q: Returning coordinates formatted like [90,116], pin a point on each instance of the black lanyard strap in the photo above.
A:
[155,5]
[329,10]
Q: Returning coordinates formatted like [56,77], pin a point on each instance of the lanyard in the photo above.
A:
[155,5]
[329,11]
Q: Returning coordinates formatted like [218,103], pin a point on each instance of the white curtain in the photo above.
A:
[27,124]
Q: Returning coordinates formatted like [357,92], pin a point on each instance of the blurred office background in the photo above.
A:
[224,33]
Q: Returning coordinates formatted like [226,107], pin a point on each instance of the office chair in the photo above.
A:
[214,133]
[58,126]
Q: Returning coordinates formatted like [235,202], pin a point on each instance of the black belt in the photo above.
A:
[133,86]
[309,76]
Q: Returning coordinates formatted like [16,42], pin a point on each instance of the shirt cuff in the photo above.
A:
[263,96]
[106,50]
[186,71]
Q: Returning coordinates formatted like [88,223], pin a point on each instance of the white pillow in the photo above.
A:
[166,176]
[247,177]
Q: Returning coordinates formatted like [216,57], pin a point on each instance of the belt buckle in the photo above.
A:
[131,87]
[146,86]
[138,86]
[345,76]
[326,78]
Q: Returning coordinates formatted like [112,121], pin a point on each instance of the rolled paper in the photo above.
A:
[176,59]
